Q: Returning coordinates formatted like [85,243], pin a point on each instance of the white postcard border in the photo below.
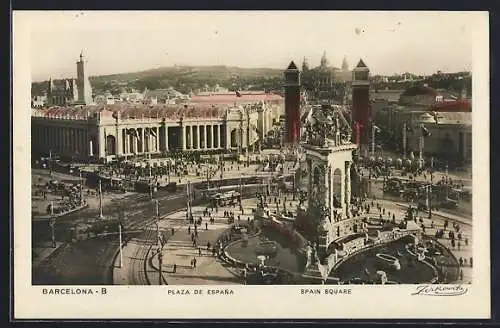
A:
[148,302]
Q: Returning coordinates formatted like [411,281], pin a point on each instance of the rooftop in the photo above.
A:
[232,97]
[128,110]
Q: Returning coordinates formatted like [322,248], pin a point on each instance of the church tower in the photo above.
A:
[83,83]
[345,65]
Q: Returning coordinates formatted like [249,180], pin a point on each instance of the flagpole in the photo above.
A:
[373,139]
[404,140]
[100,200]
[120,237]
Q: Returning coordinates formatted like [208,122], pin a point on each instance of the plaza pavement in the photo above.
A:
[179,250]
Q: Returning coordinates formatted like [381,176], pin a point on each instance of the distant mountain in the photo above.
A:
[182,78]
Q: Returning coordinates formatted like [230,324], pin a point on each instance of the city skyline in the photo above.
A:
[388,42]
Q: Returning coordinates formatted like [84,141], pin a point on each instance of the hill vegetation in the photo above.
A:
[188,78]
[183,79]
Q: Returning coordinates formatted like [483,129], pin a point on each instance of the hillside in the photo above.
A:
[182,78]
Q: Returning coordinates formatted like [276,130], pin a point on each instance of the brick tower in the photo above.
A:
[292,105]
[361,112]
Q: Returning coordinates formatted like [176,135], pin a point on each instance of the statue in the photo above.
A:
[327,126]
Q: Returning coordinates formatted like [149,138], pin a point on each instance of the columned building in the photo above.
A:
[106,132]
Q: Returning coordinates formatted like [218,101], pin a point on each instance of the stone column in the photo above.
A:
[191,136]
[136,141]
[219,134]
[201,137]
[348,189]
[165,147]
[123,133]
[212,142]
[143,143]
[183,137]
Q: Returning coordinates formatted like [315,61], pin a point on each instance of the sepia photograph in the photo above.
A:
[320,150]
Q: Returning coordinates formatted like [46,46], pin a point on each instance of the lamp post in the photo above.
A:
[404,140]
[429,199]
[150,177]
[52,224]
[81,188]
[50,162]
[121,243]
[373,139]
[100,200]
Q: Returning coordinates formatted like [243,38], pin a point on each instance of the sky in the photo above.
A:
[120,42]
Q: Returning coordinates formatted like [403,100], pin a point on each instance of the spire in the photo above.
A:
[361,64]
[292,65]
[81,56]
[305,64]
[345,65]
[324,61]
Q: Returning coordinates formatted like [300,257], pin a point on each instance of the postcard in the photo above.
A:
[253,164]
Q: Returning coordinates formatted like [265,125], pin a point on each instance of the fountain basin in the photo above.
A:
[388,261]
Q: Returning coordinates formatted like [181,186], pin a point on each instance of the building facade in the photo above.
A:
[107,132]
[324,83]
[449,124]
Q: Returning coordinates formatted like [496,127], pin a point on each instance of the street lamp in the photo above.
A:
[52,224]
[81,188]
[100,200]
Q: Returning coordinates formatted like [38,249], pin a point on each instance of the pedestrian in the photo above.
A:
[172,230]
[194,262]
[460,261]
[199,251]
[466,241]
[470,262]
[461,274]
[175,268]
[208,246]
[206,225]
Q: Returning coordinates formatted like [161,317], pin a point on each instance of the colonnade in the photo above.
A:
[140,140]
[64,140]
[203,136]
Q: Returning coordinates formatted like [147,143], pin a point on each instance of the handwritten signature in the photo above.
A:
[437,290]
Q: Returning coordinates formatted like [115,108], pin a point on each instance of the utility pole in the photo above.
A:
[150,177]
[373,139]
[121,243]
[429,199]
[421,146]
[52,223]
[404,140]
[100,200]
[157,220]
[160,264]
[81,188]
[50,162]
